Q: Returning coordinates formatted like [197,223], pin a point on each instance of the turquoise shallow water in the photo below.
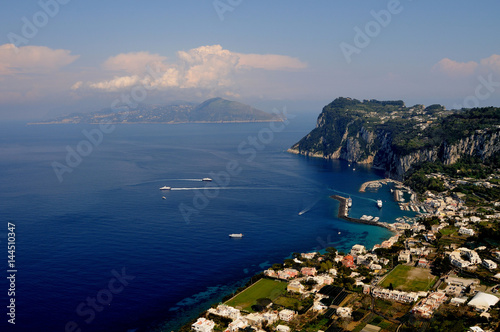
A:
[108,214]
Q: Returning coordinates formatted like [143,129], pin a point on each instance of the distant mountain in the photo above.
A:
[210,111]
[222,110]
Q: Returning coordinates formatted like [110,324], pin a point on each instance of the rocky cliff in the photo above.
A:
[390,136]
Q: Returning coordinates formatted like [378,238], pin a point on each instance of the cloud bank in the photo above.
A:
[32,59]
[211,68]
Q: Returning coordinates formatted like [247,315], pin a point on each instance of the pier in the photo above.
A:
[343,214]
[377,184]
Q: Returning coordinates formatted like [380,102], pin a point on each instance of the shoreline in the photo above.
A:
[131,123]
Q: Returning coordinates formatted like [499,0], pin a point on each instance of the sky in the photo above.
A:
[64,56]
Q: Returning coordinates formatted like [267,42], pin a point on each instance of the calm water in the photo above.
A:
[109,214]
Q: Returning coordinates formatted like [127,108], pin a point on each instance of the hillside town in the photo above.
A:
[438,272]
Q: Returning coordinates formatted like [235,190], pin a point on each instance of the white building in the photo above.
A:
[344,312]
[282,328]
[483,301]
[466,231]
[358,249]
[225,311]
[203,325]
[286,315]
[404,256]
[489,264]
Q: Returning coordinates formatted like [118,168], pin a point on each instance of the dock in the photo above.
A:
[343,214]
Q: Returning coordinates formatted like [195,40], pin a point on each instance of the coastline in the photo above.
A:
[131,123]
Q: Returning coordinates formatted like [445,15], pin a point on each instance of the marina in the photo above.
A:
[344,214]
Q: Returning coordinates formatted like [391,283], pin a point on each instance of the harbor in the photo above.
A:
[344,214]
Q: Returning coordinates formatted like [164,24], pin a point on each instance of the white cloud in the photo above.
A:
[134,62]
[455,68]
[270,62]
[208,67]
[492,62]
[32,59]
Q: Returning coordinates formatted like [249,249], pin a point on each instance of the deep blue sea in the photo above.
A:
[104,251]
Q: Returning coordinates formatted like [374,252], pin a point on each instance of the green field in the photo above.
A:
[264,288]
[409,279]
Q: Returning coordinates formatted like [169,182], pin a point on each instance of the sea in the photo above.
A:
[99,247]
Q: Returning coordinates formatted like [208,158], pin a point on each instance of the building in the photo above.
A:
[489,264]
[203,325]
[282,328]
[270,317]
[286,315]
[422,262]
[466,231]
[358,249]
[225,311]
[309,255]
[344,312]
[270,273]
[404,256]
[288,274]
[308,271]
[483,301]
[348,261]
[295,286]
[254,319]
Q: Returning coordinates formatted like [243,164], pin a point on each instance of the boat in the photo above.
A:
[207,179]
[163,197]
[236,235]
[349,202]
[165,188]
[379,203]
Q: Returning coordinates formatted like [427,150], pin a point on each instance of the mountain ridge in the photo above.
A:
[214,110]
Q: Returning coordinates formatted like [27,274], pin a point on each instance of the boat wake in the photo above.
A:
[309,207]
[225,188]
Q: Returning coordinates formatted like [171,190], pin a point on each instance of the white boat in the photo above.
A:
[349,202]
[165,188]
[163,197]
[379,203]
[206,179]
[236,235]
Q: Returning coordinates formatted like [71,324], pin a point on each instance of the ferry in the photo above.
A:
[236,235]
[206,179]
[165,188]
[349,202]
[379,203]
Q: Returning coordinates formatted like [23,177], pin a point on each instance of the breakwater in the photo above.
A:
[344,214]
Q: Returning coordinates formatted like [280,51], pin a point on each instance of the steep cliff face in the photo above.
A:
[350,134]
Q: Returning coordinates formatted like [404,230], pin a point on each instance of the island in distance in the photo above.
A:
[215,110]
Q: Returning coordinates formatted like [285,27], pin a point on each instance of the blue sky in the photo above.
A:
[86,54]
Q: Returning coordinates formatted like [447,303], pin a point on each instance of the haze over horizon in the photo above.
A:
[61,56]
